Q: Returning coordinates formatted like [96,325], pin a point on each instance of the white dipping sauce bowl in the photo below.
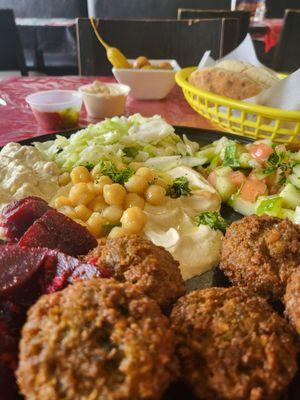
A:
[105,105]
[148,84]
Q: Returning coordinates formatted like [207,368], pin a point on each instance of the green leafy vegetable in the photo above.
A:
[231,158]
[109,169]
[213,219]
[180,187]
[130,152]
[108,227]
[89,166]
[279,161]
[270,205]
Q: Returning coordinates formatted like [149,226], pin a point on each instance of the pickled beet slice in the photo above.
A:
[56,231]
[19,215]
[17,266]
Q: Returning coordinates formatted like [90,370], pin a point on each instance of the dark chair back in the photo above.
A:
[12,56]
[148,9]
[47,9]
[169,39]
[243,17]
[276,8]
[287,52]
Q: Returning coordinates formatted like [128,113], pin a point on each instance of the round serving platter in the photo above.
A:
[178,390]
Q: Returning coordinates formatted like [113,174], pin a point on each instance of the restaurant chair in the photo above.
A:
[11,51]
[148,9]
[243,17]
[276,8]
[287,52]
[184,41]
[46,9]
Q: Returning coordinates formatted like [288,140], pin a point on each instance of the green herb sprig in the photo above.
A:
[279,161]
[213,219]
[108,227]
[109,169]
[180,187]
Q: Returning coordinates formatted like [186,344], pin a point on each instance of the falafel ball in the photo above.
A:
[261,253]
[292,300]
[137,260]
[97,339]
[233,345]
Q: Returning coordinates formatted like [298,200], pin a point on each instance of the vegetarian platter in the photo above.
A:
[143,261]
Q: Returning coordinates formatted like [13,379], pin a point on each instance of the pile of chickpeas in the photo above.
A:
[94,200]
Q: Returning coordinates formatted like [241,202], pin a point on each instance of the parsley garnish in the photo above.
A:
[89,166]
[180,187]
[279,161]
[109,169]
[213,219]
[231,156]
[108,227]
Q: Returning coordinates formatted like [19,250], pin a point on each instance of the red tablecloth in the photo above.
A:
[17,121]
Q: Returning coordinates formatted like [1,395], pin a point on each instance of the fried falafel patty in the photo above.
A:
[233,345]
[137,260]
[261,253]
[96,339]
[292,300]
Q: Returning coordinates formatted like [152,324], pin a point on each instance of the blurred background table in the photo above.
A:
[17,121]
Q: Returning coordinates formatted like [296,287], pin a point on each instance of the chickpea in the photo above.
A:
[155,195]
[61,201]
[80,174]
[103,180]
[80,222]
[134,200]
[112,213]
[165,65]
[135,165]
[140,62]
[161,182]
[116,232]
[64,179]
[96,171]
[114,194]
[83,212]
[147,173]
[120,166]
[133,220]
[98,204]
[68,212]
[95,224]
[81,194]
[136,184]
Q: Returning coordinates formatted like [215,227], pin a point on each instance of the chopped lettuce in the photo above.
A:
[135,138]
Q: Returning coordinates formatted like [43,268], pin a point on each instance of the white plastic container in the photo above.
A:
[56,109]
[148,84]
[105,105]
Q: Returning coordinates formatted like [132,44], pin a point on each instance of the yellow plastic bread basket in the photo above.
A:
[240,117]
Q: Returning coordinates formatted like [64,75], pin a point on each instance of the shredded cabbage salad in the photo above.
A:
[136,138]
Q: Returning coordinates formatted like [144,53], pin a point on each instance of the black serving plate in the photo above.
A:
[215,277]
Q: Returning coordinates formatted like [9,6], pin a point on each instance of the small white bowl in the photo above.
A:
[56,109]
[148,84]
[105,105]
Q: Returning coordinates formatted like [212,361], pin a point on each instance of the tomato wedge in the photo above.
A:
[237,178]
[261,151]
[252,188]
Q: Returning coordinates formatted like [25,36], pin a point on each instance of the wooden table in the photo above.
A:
[17,121]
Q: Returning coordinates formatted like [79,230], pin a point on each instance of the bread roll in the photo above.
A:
[233,65]
[264,76]
[225,83]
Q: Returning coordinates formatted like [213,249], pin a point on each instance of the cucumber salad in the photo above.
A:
[260,177]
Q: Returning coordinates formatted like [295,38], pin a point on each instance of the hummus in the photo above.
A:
[24,171]
[173,226]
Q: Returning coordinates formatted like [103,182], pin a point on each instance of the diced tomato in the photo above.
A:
[261,151]
[237,178]
[212,178]
[252,188]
